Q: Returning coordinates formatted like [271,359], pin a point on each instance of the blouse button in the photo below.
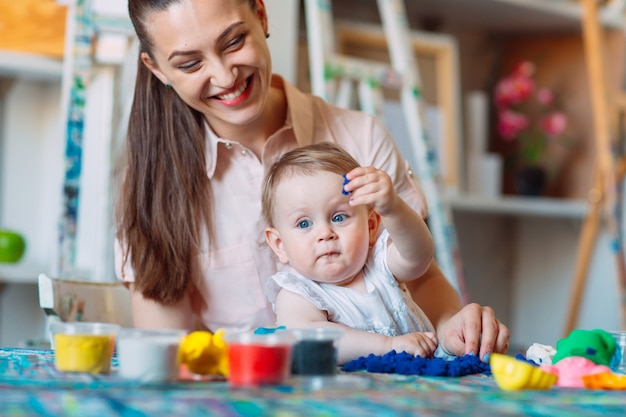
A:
[228,145]
[245,152]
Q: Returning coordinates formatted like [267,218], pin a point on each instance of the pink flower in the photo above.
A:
[554,124]
[526,115]
[545,97]
[524,69]
[511,124]
[516,87]
[513,89]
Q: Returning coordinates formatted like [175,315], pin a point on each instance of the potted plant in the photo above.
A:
[527,117]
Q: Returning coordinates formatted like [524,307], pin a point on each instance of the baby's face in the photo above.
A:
[320,234]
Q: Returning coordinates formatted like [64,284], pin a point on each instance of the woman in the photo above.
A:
[208,116]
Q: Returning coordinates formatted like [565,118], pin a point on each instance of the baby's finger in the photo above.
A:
[358,172]
[432,336]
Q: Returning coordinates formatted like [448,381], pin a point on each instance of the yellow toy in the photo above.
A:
[512,374]
[204,353]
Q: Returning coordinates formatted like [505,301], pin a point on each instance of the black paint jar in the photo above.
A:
[315,351]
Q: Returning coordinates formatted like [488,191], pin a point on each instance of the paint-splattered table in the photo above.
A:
[31,386]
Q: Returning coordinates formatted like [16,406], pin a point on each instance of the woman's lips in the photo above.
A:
[235,94]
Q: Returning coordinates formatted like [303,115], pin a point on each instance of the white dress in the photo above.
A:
[386,308]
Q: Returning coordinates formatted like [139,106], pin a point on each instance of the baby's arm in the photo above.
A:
[411,249]
[294,312]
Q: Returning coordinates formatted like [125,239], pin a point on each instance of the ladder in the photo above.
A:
[88,22]
[332,78]
[78,64]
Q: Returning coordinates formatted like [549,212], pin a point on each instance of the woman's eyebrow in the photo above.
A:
[219,39]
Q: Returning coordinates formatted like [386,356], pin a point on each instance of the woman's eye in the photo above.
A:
[238,40]
[189,66]
[303,224]
[338,218]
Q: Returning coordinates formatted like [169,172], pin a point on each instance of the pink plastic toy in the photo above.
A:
[571,370]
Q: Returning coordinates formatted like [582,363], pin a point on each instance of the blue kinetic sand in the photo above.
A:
[407,364]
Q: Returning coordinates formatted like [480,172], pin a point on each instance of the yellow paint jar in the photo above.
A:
[83,347]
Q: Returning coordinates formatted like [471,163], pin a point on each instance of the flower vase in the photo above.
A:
[530,180]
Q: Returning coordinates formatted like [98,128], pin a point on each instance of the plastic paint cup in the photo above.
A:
[83,346]
[149,355]
[259,359]
[315,351]
[618,361]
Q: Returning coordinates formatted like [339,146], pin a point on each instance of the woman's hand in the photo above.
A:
[474,329]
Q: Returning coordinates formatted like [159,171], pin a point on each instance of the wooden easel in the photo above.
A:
[608,175]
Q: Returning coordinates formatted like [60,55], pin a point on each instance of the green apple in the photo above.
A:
[12,246]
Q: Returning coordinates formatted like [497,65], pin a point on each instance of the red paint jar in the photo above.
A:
[257,359]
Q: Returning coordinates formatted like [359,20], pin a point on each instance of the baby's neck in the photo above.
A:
[357,283]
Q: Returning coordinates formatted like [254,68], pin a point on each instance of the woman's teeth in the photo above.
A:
[234,94]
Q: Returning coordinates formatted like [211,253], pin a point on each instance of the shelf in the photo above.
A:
[520,206]
[523,16]
[513,15]
[19,273]
[24,65]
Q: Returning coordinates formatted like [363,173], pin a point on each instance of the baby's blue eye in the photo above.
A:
[337,218]
[304,224]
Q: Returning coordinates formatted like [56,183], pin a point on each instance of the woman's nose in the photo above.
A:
[222,74]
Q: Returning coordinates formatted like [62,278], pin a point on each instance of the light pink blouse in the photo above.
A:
[230,291]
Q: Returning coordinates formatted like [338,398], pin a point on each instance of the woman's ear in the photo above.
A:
[262,14]
[153,67]
[373,222]
[275,242]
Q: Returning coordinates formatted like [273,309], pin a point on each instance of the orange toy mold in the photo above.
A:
[605,380]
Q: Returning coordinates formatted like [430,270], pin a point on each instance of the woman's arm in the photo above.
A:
[435,296]
[149,314]
[460,330]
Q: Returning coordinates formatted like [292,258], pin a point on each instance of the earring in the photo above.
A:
[168,85]
[267,35]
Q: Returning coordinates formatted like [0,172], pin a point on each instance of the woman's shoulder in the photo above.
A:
[299,98]
[333,110]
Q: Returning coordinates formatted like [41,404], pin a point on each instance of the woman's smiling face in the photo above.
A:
[214,54]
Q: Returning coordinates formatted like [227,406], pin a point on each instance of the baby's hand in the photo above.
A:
[373,187]
[421,344]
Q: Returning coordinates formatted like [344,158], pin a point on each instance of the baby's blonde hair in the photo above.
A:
[307,160]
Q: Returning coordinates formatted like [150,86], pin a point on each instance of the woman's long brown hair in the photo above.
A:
[164,204]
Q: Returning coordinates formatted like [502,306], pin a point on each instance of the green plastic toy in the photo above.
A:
[596,345]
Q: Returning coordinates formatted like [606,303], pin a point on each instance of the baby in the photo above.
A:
[324,212]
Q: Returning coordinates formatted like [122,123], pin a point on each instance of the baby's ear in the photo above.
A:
[273,239]
[373,222]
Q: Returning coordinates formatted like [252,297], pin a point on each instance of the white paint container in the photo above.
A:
[149,356]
